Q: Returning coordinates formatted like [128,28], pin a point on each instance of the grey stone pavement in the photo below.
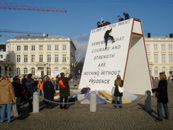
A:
[131,117]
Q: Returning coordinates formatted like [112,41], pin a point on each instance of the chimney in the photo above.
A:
[149,35]
[170,35]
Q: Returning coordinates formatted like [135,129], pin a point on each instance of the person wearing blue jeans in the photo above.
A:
[162,98]
[117,93]
[7,97]
[3,108]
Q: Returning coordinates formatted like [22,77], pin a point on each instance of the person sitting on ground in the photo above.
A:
[120,19]
[126,16]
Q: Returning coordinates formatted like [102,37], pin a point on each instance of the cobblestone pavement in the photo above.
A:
[131,117]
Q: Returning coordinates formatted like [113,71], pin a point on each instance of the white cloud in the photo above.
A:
[81,42]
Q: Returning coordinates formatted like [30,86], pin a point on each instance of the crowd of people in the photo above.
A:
[13,93]
[104,23]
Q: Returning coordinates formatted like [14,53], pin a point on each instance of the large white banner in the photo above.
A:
[103,64]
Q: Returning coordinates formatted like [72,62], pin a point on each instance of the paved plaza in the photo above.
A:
[131,117]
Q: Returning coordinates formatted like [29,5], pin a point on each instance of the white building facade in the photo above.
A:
[41,55]
[160,55]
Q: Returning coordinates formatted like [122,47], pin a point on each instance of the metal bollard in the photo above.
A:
[148,101]
[35,102]
[93,102]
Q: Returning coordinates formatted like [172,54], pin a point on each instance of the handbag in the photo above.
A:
[14,111]
[120,89]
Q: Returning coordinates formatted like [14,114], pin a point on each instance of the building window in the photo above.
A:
[170,57]
[33,47]
[148,55]
[40,58]
[155,47]
[18,58]
[155,57]
[163,57]
[56,58]
[33,71]
[18,48]
[1,56]
[25,70]
[163,69]
[49,71]
[147,47]
[41,47]
[171,70]
[25,58]
[32,58]
[48,47]
[25,48]
[48,58]
[64,58]
[156,71]
[56,47]
[162,47]
[64,47]
[18,71]
[170,47]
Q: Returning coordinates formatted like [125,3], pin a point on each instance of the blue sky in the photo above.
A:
[82,15]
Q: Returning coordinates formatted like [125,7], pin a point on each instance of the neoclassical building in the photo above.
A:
[41,55]
[160,55]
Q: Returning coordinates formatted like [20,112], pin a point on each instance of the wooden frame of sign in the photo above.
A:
[124,55]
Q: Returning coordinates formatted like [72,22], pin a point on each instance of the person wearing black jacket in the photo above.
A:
[64,91]
[49,91]
[126,16]
[107,36]
[30,88]
[17,90]
[120,19]
[118,83]
[162,98]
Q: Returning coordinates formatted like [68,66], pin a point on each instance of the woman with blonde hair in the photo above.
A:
[117,93]
[162,97]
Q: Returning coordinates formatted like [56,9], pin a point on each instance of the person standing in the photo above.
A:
[117,93]
[7,97]
[40,87]
[64,91]
[162,98]
[49,91]
[17,90]
[126,16]
[30,88]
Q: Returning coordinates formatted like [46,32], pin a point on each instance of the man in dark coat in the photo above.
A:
[17,90]
[30,88]
[49,91]
[126,16]
[64,92]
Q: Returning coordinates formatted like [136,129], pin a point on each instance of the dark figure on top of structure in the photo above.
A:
[107,37]
[126,16]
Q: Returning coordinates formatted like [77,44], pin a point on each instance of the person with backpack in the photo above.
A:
[64,89]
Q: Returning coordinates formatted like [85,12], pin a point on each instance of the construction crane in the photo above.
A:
[11,6]
[16,31]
